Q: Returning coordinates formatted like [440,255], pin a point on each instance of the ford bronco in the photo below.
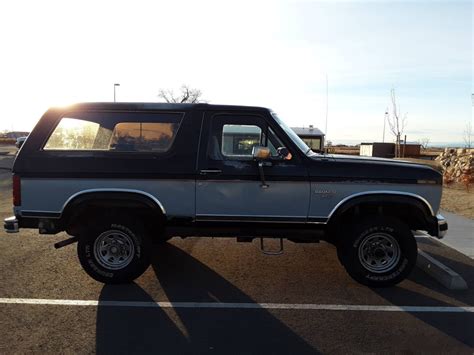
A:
[118,177]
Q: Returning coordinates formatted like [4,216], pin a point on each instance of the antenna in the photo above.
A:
[327,105]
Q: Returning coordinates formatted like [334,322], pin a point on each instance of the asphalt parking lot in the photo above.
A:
[296,303]
[224,271]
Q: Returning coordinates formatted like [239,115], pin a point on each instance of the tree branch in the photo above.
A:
[187,95]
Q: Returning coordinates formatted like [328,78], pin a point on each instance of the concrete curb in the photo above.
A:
[440,272]
[460,235]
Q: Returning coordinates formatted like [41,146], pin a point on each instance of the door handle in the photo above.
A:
[210,171]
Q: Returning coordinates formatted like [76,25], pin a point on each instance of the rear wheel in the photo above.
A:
[378,252]
[115,252]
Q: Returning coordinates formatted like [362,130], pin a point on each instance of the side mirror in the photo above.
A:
[283,152]
[261,153]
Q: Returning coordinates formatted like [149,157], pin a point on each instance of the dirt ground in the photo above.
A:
[457,199]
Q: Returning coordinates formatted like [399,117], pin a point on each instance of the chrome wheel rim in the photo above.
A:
[379,252]
[114,249]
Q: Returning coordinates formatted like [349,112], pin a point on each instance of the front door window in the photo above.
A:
[238,140]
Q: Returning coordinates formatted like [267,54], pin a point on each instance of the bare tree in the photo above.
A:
[467,135]
[424,142]
[185,95]
[396,122]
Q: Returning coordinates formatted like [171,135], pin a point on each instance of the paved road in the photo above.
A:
[222,270]
[460,234]
[6,162]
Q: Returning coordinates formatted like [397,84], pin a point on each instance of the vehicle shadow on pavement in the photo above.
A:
[184,330]
[459,326]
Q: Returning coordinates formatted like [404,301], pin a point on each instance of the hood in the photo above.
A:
[375,160]
[349,167]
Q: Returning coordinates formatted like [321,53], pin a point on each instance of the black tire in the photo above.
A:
[379,252]
[161,240]
[132,251]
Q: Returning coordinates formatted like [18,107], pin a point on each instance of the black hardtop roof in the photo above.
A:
[133,106]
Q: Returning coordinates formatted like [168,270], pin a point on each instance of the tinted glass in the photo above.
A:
[143,136]
[137,132]
[74,134]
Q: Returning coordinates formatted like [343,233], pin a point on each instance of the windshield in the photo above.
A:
[293,136]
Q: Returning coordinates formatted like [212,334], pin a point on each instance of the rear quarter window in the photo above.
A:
[143,136]
[73,134]
[125,132]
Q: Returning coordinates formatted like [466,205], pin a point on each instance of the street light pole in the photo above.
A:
[115,85]
[384,121]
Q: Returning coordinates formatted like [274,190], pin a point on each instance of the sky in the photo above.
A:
[273,54]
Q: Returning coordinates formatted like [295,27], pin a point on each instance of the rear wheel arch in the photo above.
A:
[85,207]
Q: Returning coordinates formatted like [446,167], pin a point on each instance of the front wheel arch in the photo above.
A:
[410,210]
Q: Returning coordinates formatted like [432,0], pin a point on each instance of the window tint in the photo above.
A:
[143,136]
[239,140]
[139,132]
[73,134]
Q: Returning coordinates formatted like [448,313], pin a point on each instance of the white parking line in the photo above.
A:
[289,306]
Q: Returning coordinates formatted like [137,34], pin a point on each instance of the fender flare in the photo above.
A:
[133,197]
[380,197]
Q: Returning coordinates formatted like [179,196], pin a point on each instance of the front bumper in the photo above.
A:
[11,225]
[442,226]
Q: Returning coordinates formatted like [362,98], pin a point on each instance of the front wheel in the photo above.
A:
[378,252]
[115,253]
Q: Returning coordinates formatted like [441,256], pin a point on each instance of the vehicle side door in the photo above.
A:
[229,185]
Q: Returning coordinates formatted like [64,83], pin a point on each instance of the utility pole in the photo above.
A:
[115,85]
